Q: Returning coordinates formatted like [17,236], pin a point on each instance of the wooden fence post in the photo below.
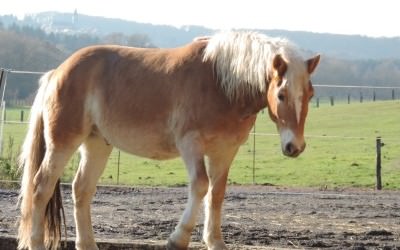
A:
[379,144]
[348,99]
[361,97]
[332,100]
[392,94]
[374,96]
[22,116]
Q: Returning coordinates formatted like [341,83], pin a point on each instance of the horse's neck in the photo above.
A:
[248,106]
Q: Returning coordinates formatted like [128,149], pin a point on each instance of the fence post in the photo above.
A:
[374,96]
[254,154]
[317,102]
[3,83]
[348,99]
[392,94]
[3,110]
[361,97]
[22,116]
[332,100]
[1,77]
[118,161]
[379,144]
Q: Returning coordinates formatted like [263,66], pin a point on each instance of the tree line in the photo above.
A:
[30,48]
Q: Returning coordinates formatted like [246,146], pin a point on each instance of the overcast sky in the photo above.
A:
[369,17]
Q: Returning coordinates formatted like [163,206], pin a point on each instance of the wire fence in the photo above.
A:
[331,151]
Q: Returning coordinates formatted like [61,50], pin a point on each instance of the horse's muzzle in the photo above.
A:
[291,150]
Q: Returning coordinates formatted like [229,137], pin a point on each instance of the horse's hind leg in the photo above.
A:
[94,154]
[45,181]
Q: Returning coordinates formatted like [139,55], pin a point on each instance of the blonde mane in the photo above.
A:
[243,60]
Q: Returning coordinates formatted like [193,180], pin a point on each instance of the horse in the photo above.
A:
[198,101]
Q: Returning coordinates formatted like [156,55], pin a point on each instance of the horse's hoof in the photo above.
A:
[173,246]
[220,245]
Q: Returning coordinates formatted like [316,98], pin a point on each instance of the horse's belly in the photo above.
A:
[145,144]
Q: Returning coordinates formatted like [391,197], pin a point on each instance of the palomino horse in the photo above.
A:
[198,102]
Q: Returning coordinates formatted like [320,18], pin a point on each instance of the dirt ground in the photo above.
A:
[253,216]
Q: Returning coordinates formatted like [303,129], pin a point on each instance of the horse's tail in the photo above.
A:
[33,151]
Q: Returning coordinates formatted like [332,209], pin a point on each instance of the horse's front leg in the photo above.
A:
[191,151]
[217,168]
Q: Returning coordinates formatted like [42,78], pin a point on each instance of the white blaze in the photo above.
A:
[287,136]
[298,103]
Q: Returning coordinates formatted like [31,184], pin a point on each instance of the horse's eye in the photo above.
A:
[281,97]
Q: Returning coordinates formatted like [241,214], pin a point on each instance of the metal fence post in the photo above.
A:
[379,144]
[254,154]
[3,79]
[118,161]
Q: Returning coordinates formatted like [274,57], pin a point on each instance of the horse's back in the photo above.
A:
[135,98]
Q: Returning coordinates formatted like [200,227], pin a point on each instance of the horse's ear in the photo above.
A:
[312,63]
[279,65]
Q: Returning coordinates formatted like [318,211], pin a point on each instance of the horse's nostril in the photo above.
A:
[289,148]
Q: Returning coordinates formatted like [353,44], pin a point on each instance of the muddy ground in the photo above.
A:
[254,216]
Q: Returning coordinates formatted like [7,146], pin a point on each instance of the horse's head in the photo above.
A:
[289,92]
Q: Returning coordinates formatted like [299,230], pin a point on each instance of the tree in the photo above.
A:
[116,38]
[140,40]
[20,52]
[134,40]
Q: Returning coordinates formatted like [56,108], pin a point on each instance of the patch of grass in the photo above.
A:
[340,149]
[8,163]
[340,152]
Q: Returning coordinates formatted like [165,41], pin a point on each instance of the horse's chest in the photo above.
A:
[232,133]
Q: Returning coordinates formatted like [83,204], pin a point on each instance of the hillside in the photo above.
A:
[350,47]
[22,52]
[41,41]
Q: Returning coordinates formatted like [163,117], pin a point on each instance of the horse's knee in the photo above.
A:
[82,192]
[217,197]
[200,186]
[42,190]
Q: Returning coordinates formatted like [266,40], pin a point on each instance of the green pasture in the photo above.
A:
[340,152]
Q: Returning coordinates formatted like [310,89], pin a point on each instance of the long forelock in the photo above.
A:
[243,60]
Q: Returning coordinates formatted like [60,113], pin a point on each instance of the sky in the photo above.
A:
[374,18]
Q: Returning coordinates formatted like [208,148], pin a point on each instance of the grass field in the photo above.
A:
[340,152]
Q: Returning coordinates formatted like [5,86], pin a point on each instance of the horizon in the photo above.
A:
[342,17]
[202,26]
